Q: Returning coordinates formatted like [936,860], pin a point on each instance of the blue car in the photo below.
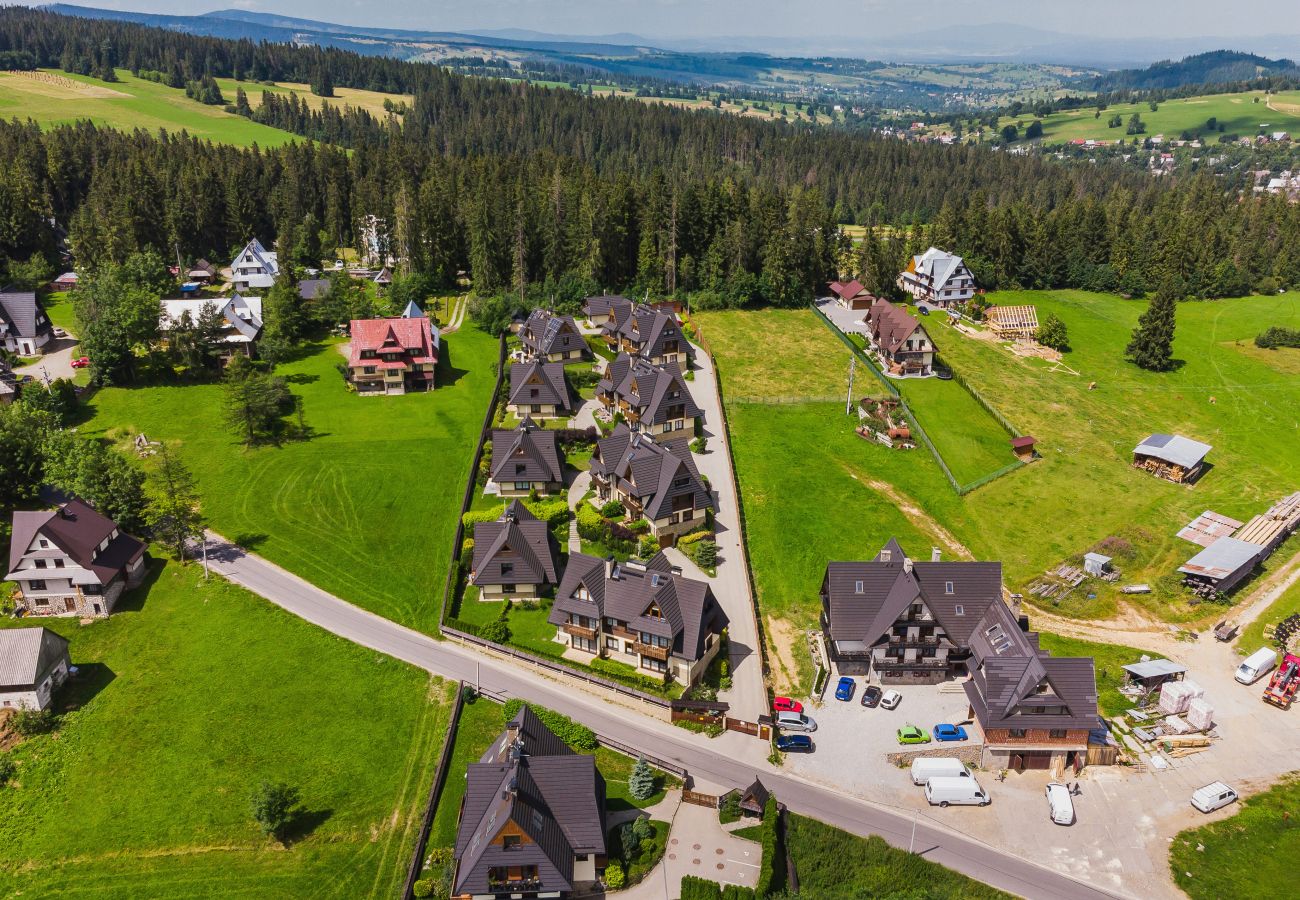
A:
[794,743]
[844,690]
[949,733]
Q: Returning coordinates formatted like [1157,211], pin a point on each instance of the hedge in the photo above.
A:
[618,672]
[552,512]
[579,737]
[696,888]
[771,877]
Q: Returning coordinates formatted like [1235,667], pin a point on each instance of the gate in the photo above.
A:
[698,799]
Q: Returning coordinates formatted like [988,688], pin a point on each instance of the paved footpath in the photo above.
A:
[748,695]
[732,759]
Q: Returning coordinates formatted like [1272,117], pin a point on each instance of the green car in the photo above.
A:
[910,734]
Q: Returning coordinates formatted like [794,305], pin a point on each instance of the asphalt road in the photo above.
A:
[714,760]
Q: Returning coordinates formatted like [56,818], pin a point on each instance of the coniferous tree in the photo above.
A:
[174,515]
[1152,347]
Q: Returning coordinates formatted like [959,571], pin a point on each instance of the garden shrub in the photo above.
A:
[618,671]
[614,877]
[730,809]
[696,888]
[579,737]
[7,769]
[613,510]
[692,536]
[591,524]
[422,888]
[29,722]
[737,892]
[641,783]
[498,630]
[771,877]
[647,546]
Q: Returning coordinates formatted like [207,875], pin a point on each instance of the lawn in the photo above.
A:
[1244,114]
[367,507]
[812,491]
[1252,636]
[481,722]
[835,864]
[777,356]
[1256,846]
[970,440]
[188,697]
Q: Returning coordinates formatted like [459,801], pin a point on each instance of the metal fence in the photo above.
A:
[435,793]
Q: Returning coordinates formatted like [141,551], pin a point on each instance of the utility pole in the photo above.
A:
[912,843]
[848,403]
[205,557]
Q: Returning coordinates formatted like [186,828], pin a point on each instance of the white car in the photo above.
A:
[1213,796]
[891,699]
[1059,804]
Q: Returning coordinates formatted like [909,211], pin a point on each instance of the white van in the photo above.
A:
[959,791]
[793,721]
[1059,805]
[926,767]
[1255,665]
[1213,796]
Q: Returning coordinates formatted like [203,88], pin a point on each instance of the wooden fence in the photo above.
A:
[697,799]
[435,793]
[754,729]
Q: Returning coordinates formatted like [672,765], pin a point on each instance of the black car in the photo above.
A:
[871,696]
[794,743]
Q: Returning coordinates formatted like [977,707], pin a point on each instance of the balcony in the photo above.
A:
[581,631]
[620,631]
[895,663]
[651,650]
[898,640]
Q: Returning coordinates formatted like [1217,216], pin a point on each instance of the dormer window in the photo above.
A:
[857,587]
[947,587]
[959,610]
[45,545]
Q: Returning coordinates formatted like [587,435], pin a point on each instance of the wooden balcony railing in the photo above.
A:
[651,650]
[581,631]
[620,631]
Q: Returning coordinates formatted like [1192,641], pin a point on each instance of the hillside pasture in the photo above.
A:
[50,98]
[371,101]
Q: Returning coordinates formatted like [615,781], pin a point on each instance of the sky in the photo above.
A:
[833,19]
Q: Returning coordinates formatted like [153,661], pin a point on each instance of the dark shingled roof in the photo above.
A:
[610,303]
[517,539]
[539,382]
[862,600]
[656,393]
[545,332]
[626,592]
[528,453]
[311,288]
[648,329]
[890,326]
[653,472]
[78,530]
[549,793]
[22,316]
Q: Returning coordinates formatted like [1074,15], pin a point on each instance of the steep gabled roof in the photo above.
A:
[600,306]
[651,390]
[528,453]
[653,471]
[518,540]
[891,325]
[78,530]
[27,655]
[539,382]
[938,264]
[649,329]
[411,335]
[21,315]
[545,333]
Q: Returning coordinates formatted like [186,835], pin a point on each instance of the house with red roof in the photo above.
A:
[392,355]
[852,295]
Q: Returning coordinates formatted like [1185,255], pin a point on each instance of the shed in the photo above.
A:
[1023,447]
[1171,456]
[1015,322]
[1222,565]
[1095,564]
[754,798]
[1151,673]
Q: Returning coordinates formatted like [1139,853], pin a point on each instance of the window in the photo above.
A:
[857,587]
[368,370]
[1056,733]
[654,665]
[885,554]
[611,643]
[959,610]
[1017,733]
[40,563]
[507,568]
[507,588]
[44,544]
[580,857]
[93,589]
[58,564]
[523,485]
[41,601]
[510,842]
[947,587]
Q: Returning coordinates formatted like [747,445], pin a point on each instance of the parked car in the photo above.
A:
[1213,796]
[910,734]
[959,791]
[81,362]
[844,689]
[1254,666]
[891,699]
[794,743]
[871,695]
[923,309]
[1059,804]
[60,333]
[793,721]
[946,732]
[785,704]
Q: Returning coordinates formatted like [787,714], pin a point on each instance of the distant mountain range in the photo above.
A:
[1217,67]
[1000,42]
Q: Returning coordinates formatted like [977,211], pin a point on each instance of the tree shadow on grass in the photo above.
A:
[133,600]
[301,378]
[303,824]
[250,540]
[446,373]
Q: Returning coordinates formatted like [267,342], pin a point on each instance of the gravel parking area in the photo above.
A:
[851,740]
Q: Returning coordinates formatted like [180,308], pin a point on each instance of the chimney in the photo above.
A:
[935,554]
[611,569]
[907,564]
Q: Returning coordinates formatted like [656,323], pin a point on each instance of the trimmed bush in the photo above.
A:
[7,769]
[771,877]
[614,877]
[422,888]
[591,524]
[695,888]
[647,546]
[694,536]
[613,510]
[579,737]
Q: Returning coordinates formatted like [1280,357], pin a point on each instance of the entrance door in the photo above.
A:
[1038,760]
[69,604]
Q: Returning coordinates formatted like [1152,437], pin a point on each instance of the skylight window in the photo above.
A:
[947,587]
[959,610]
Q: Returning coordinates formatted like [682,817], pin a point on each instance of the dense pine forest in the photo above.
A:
[545,190]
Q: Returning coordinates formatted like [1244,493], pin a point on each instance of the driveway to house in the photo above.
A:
[732,759]
[698,845]
[849,321]
[581,484]
[56,362]
[748,694]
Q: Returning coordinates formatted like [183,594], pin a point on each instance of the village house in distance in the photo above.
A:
[651,398]
[33,663]
[924,622]
[241,317]
[532,822]
[514,557]
[394,355]
[647,615]
[538,390]
[551,337]
[255,268]
[900,339]
[937,278]
[72,561]
[25,329]
[526,460]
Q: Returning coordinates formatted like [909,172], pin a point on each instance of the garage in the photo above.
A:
[1031,759]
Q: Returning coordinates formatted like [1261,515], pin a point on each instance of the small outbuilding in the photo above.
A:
[754,798]
[1023,447]
[1171,457]
[33,663]
[1149,674]
[1221,566]
[1096,564]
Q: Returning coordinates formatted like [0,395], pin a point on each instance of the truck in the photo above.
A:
[1284,683]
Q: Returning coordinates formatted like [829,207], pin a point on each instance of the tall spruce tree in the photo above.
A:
[1152,347]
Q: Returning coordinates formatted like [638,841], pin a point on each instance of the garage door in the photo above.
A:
[1031,760]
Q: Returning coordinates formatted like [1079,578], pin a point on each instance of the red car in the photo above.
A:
[81,362]
[785,704]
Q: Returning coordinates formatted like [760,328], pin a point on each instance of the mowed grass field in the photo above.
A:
[1255,846]
[55,98]
[371,101]
[367,507]
[813,491]
[192,694]
[1244,114]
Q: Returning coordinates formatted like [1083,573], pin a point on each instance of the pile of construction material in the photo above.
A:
[1176,696]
